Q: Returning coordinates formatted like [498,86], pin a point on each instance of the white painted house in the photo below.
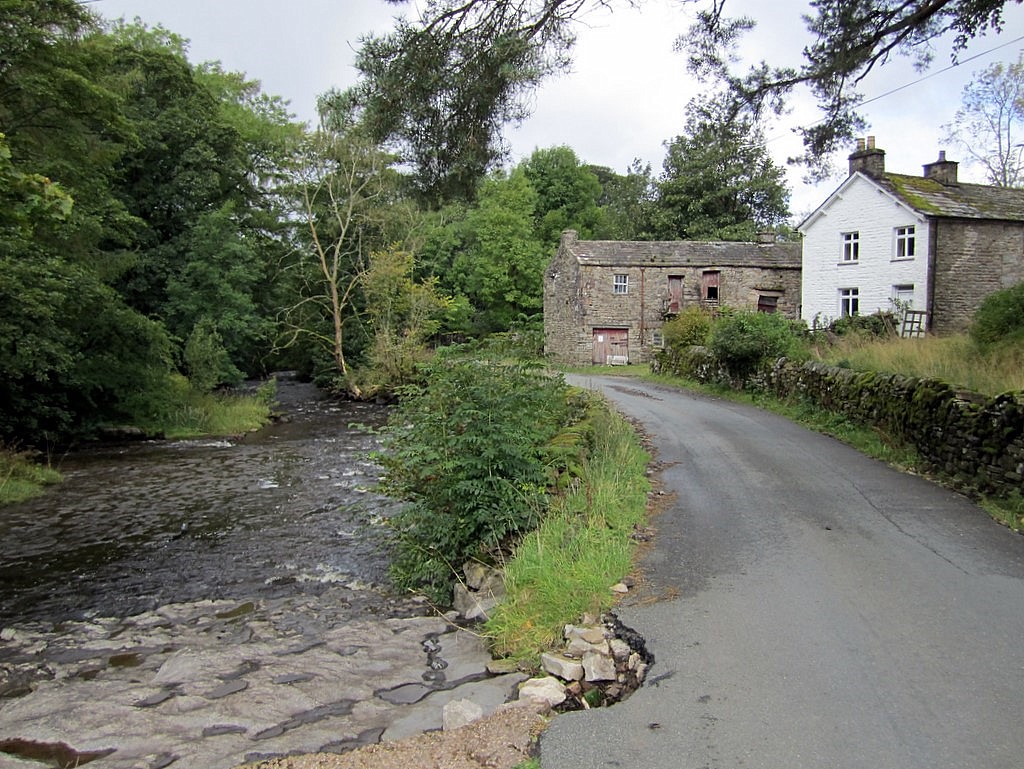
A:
[930,241]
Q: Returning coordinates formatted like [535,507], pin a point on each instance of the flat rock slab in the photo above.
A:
[165,688]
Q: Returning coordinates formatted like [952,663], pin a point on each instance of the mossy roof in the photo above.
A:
[961,201]
[684,253]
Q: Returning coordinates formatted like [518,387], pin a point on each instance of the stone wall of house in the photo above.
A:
[564,332]
[578,299]
[973,259]
[976,442]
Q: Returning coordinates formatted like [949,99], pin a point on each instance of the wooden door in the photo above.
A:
[675,294]
[611,346]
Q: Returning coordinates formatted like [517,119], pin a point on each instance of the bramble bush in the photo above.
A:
[467,451]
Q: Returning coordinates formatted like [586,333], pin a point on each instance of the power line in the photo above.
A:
[921,79]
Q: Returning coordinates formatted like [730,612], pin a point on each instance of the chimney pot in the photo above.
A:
[871,142]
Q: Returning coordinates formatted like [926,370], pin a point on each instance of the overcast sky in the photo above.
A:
[628,89]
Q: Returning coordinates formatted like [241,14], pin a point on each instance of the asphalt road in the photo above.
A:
[818,609]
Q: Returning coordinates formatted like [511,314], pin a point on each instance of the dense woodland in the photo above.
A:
[163,221]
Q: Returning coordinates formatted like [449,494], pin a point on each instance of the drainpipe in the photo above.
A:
[643,313]
[933,237]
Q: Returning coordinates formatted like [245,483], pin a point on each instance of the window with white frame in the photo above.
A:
[905,242]
[851,247]
[849,302]
[621,284]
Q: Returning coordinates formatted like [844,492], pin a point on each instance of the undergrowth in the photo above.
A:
[584,544]
[189,413]
[21,477]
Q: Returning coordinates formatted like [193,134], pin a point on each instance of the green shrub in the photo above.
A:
[467,451]
[691,327]
[878,324]
[742,340]
[1000,318]
[207,362]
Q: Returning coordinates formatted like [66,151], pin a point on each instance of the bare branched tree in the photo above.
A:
[989,126]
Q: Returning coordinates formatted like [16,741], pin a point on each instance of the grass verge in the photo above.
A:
[566,567]
[1008,511]
[954,359]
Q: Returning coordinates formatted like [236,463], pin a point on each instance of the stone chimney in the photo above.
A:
[569,237]
[942,170]
[868,159]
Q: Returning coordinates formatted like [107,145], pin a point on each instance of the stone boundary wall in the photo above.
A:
[974,441]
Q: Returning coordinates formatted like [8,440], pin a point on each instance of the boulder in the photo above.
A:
[558,665]
[547,691]
[459,713]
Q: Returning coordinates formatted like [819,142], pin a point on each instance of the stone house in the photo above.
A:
[930,241]
[606,301]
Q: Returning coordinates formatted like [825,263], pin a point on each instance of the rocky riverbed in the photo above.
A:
[215,683]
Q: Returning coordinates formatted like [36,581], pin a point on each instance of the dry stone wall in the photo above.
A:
[976,442]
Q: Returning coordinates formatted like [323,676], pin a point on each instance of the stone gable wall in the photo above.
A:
[976,442]
[973,259]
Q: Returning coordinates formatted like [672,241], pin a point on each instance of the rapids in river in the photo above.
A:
[290,509]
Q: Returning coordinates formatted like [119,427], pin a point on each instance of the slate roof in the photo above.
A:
[961,201]
[684,253]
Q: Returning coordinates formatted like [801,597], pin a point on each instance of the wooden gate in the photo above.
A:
[611,346]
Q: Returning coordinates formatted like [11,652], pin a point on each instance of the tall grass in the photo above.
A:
[566,567]
[21,477]
[953,359]
[189,413]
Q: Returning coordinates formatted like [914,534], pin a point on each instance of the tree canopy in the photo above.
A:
[850,39]
[719,182]
[440,88]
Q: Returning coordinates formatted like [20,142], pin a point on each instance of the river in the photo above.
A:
[204,603]
[288,509]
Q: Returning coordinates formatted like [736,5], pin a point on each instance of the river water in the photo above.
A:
[286,510]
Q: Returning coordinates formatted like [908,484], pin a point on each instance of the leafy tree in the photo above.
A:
[719,182]
[137,195]
[567,194]
[441,88]
[626,202]
[850,39]
[501,263]
[345,186]
[403,316]
[990,117]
